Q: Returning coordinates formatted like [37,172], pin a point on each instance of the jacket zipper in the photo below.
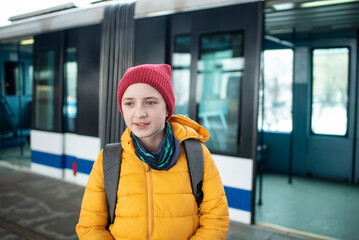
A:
[149,203]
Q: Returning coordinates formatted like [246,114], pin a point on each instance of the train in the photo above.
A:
[60,67]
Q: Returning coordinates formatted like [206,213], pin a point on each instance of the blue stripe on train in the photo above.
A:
[83,166]
[61,161]
[48,159]
[239,198]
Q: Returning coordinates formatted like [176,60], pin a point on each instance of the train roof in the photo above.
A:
[70,16]
[47,20]
[150,8]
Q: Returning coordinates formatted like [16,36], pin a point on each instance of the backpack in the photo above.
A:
[112,156]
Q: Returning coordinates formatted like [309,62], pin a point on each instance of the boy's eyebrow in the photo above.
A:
[131,98]
[151,97]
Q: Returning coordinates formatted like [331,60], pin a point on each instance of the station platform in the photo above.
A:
[37,207]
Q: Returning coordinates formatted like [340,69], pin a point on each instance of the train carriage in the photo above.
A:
[80,54]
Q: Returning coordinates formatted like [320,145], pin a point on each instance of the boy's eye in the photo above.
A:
[128,103]
[150,103]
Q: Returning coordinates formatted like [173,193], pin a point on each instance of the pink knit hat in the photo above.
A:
[156,75]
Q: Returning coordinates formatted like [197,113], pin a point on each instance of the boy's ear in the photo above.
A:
[166,113]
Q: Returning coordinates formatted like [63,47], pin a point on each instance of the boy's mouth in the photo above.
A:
[141,125]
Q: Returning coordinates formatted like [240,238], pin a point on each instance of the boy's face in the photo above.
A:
[145,112]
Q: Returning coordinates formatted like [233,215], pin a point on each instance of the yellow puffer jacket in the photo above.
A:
[156,204]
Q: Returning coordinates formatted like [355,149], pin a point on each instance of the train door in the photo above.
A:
[46,137]
[215,60]
[47,86]
[65,121]
[356,140]
[16,70]
[330,145]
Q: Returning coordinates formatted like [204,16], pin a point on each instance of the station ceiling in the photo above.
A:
[311,16]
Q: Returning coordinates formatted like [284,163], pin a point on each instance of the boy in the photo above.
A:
[154,197]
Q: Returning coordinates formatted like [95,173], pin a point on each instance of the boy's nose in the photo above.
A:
[140,111]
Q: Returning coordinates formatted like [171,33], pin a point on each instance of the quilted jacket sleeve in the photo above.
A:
[94,215]
[214,220]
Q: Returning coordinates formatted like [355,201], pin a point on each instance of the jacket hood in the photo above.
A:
[184,128]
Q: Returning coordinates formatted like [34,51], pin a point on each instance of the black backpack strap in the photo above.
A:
[112,156]
[194,156]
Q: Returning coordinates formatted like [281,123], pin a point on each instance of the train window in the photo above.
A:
[44,87]
[30,82]
[181,62]
[330,91]
[220,69]
[25,57]
[70,88]
[11,73]
[275,99]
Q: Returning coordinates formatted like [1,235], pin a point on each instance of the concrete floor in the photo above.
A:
[37,207]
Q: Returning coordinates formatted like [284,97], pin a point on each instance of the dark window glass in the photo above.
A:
[220,69]
[11,72]
[44,87]
[70,88]
[181,73]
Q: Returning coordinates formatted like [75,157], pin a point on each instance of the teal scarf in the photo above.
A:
[166,155]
